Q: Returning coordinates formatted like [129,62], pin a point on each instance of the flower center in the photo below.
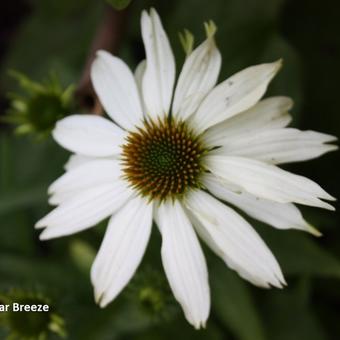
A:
[163,160]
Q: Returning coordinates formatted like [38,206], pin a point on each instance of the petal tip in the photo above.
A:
[40,224]
[277,65]
[144,15]
[312,230]
[329,207]
[98,296]
[103,301]
[99,53]
[198,324]
[44,236]
[279,62]
[153,11]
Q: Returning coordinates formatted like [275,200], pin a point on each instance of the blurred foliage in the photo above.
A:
[27,326]
[57,35]
[151,291]
[40,107]
[119,4]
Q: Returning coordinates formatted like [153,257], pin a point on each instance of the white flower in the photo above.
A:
[218,143]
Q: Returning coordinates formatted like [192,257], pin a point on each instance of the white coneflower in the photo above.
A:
[217,143]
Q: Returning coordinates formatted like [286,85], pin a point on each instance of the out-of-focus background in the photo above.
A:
[44,37]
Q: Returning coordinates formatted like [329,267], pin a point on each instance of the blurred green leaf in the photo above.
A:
[233,303]
[119,319]
[49,39]
[30,270]
[23,198]
[13,225]
[119,4]
[82,254]
[288,82]
[301,254]
[289,315]
[26,171]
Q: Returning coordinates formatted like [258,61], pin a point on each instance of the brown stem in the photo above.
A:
[108,37]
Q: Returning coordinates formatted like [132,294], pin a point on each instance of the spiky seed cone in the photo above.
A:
[162,160]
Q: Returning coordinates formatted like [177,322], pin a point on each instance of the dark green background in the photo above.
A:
[56,35]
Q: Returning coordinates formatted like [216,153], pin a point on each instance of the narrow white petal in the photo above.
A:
[234,240]
[61,197]
[76,160]
[198,76]
[270,113]
[236,94]
[89,135]
[278,215]
[82,173]
[278,146]
[184,262]
[159,76]
[122,249]
[90,174]
[84,210]
[117,91]
[139,75]
[268,181]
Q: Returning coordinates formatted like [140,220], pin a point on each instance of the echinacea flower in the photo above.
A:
[174,161]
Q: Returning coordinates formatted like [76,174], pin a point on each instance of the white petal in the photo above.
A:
[84,210]
[268,181]
[159,76]
[236,94]
[89,135]
[90,174]
[139,75]
[278,146]
[278,215]
[76,160]
[81,174]
[62,197]
[268,114]
[122,249]
[184,262]
[232,238]
[198,76]
[117,91]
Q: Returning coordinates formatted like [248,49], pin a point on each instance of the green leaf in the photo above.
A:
[301,254]
[50,28]
[289,79]
[25,173]
[15,269]
[25,197]
[119,4]
[82,254]
[289,315]
[233,304]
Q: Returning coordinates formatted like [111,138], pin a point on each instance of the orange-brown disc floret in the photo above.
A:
[163,159]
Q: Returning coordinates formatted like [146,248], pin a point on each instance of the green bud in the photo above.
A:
[118,4]
[187,39]
[41,106]
[210,29]
[29,325]
[150,290]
